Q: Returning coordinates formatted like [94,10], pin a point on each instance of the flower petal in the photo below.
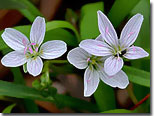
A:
[14,59]
[99,38]
[91,81]
[78,57]
[95,47]
[130,31]
[53,49]
[107,30]
[34,66]
[37,32]
[135,52]
[119,80]
[112,65]
[14,39]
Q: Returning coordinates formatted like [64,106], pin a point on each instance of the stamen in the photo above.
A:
[36,49]
[30,49]
[33,43]
[88,59]
[133,48]
[25,50]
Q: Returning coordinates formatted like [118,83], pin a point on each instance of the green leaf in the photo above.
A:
[88,22]
[63,101]
[138,76]
[105,97]
[30,105]
[61,34]
[118,111]
[24,6]
[21,91]
[120,9]
[30,12]
[11,4]
[62,24]
[9,108]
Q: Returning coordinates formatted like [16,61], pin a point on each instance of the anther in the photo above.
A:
[88,59]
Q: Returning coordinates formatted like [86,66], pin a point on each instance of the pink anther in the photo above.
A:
[88,59]
[133,48]
[25,50]
[33,43]
[36,49]
[30,49]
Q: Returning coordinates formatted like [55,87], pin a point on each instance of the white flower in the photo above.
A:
[110,45]
[28,51]
[94,71]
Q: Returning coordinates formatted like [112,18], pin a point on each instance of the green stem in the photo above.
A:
[131,95]
[57,61]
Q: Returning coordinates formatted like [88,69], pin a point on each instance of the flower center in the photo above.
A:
[31,50]
[94,61]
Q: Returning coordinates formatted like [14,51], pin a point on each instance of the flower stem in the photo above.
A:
[131,95]
[58,61]
[140,102]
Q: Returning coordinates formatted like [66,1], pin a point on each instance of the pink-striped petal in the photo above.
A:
[34,66]
[113,65]
[14,59]
[91,81]
[79,58]
[37,32]
[95,47]
[135,52]
[107,30]
[130,31]
[15,39]
[119,80]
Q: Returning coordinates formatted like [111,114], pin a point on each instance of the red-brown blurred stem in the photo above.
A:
[140,102]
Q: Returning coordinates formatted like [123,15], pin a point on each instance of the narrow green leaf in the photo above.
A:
[62,24]
[9,108]
[61,34]
[30,105]
[120,9]
[88,22]
[11,4]
[21,91]
[118,111]
[105,97]
[138,76]
[30,12]
[63,101]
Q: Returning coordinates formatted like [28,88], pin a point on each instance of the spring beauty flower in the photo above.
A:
[95,71]
[113,47]
[30,52]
